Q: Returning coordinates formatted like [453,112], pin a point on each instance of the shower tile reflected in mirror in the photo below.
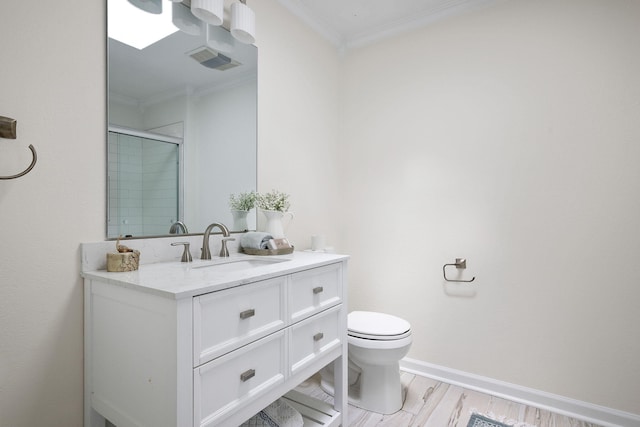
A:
[143,181]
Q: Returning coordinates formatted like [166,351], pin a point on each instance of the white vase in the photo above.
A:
[239,220]
[274,222]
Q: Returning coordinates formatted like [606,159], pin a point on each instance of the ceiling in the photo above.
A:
[355,23]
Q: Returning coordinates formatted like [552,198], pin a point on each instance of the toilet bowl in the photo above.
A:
[376,343]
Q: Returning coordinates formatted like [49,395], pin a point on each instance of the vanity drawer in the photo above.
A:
[314,290]
[313,337]
[230,381]
[225,320]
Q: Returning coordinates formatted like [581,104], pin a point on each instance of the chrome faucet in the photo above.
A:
[177,226]
[224,252]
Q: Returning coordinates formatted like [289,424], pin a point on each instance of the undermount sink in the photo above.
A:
[240,264]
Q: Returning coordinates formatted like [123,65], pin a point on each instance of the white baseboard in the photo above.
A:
[596,414]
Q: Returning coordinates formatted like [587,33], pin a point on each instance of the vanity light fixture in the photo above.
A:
[182,18]
[219,39]
[187,17]
[210,11]
[151,6]
[243,22]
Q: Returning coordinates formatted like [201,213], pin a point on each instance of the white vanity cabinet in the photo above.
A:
[178,345]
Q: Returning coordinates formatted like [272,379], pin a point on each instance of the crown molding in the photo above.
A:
[416,21]
[190,91]
[317,24]
[439,12]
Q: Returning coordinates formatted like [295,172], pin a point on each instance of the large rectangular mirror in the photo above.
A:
[182,113]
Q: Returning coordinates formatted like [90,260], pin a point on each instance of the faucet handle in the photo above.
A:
[224,251]
[186,254]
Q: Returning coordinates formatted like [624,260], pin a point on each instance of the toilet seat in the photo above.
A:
[379,337]
[377,326]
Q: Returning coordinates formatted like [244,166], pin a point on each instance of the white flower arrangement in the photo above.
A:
[273,201]
[243,201]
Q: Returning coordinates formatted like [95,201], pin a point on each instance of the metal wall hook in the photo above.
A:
[460,263]
[28,169]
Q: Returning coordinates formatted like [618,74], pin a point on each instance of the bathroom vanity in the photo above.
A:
[211,343]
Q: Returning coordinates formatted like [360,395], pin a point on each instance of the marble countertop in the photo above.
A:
[182,280]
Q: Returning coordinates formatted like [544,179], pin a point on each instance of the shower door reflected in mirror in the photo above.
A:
[143,182]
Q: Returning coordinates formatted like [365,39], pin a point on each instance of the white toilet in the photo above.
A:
[377,342]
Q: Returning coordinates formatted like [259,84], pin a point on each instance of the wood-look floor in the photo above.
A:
[430,403]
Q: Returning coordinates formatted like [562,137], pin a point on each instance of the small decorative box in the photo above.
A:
[123,261]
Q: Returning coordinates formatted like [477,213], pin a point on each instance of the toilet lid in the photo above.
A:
[371,325]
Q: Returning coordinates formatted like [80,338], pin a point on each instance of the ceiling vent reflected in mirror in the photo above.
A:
[212,59]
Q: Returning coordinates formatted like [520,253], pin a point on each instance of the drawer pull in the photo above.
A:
[318,336]
[247,313]
[246,375]
[318,289]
